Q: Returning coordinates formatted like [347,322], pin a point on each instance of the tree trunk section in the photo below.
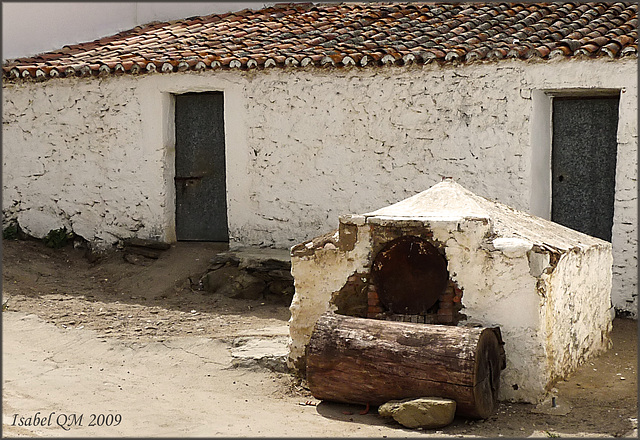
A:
[369,361]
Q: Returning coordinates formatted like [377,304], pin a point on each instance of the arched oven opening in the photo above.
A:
[408,281]
[409,276]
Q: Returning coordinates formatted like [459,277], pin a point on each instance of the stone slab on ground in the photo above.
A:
[424,412]
[261,352]
[251,273]
[279,330]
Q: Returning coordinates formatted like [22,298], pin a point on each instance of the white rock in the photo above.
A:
[512,247]
[424,412]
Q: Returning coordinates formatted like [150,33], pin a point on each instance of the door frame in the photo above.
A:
[159,129]
[541,136]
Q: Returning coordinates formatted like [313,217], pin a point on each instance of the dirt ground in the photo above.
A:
[141,341]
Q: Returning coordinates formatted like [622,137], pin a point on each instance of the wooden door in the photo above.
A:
[584,153]
[200,179]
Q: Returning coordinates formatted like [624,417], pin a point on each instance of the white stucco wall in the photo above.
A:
[303,146]
[500,291]
[572,291]
[553,318]
[317,279]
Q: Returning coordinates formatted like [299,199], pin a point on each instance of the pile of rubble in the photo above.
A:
[251,274]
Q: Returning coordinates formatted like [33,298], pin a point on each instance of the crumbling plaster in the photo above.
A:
[317,277]
[303,146]
[573,290]
[551,314]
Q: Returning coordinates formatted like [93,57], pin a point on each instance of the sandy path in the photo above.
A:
[180,387]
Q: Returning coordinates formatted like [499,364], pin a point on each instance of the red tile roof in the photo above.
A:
[359,34]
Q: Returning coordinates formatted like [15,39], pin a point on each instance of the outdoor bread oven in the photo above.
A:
[448,257]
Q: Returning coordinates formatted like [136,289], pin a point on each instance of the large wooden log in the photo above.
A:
[368,361]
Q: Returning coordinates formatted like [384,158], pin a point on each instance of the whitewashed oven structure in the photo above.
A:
[322,115]
[547,287]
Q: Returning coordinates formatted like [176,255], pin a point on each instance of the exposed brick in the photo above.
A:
[447,297]
[373,298]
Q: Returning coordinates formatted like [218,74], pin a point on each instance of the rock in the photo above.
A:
[282,288]
[270,353]
[425,412]
[215,279]
[216,266]
[251,273]
[244,286]
[224,258]
[145,243]
[281,274]
[256,259]
[267,265]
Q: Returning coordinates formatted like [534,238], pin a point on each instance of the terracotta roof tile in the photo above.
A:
[349,34]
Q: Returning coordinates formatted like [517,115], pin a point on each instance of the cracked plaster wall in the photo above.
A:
[499,290]
[550,315]
[317,277]
[73,157]
[304,146]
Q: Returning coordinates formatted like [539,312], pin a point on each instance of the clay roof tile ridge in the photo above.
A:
[346,35]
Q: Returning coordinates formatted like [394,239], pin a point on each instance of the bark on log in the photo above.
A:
[368,361]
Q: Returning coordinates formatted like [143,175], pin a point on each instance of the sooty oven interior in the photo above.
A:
[408,280]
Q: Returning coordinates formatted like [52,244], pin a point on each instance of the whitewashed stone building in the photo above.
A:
[546,286]
[311,111]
